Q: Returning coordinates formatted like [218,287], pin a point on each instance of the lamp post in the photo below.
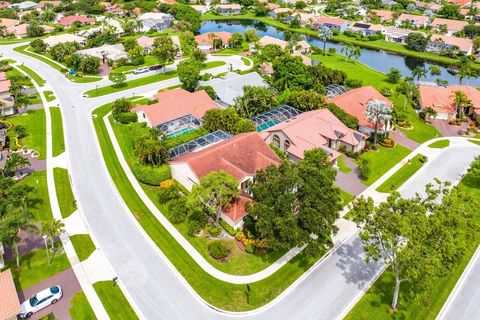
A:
[96,89]
[46,247]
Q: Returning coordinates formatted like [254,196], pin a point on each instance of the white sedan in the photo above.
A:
[40,300]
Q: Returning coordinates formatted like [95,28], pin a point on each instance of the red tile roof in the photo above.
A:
[441,98]
[384,14]
[241,156]
[460,2]
[4,4]
[9,303]
[205,38]
[69,20]
[5,85]
[330,20]
[354,102]
[176,103]
[452,25]
[418,20]
[237,210]
[464,44]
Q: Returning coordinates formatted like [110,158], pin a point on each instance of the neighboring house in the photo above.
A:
[461,3]
[156,20]
[115,8]
[147,42]
[302,47]
[314,129]
[384,15]
[106,52]
[331,23]
[365,29]
[354,102]
[397,35]
[8,23]
[20,30]
[266,68]
[230,86]
[69,20]
[63,38]
[235,212]
[173,107]
[272,6]
[8,296]
[412,19]
[432,6]
[266,40]
[228,9]
[23,6]
[304,18]
[451,26]
[3,142]
[8,108]
[4,4]
[200,8]
[205,41]
[48,4]
[439,43]
[441,99]
[305,59]
[278,11]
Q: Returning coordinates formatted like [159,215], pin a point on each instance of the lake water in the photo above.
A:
[379,60]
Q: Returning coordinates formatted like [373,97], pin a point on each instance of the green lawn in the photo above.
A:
[80,308]
[247,61]
[66,199]
[342,165]
[34,267]
[40,203]
[143,81]
[35,124]
[440,144]
[221,294]
[474,141]
[58,139]
[25,50]
[149,61]
[84,79]
[375,304]
[49,96]
[382,160]
[420,132]
[83,245]
[402,175]
[346,197]
[39,80]
[114,301]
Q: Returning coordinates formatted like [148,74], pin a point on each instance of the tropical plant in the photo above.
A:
[419,73]
[377,113]
[52,229]
[461,102]
[325,34]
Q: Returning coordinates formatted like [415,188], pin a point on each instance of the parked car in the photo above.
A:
[156,67]
[141,70]
[40,300]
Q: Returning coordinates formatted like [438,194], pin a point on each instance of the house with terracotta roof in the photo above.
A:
[4,4]
[461,3]
[384,15]
[48,4]
[304,18]
[6,100]
[8,23]
[272,6]
[210,40]
[413,20]
[69,20]
[314,129]
[235,212]
[333,23]
[9,303]
[432,6]
[451,26]
[279,11]
[439,43]
[398,35]
[228,9]
[354,102]
[147,42]
[441,99]
[62,38]
[173,106]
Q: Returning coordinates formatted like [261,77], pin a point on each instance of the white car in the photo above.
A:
[40,300]
[140,70]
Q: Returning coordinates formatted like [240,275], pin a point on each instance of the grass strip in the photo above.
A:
[83,245]
[223,295]
[35,77]
[403,174]
[66,199]
[80,308]
[49,96]
[114,301]
[440,144]
[58,138]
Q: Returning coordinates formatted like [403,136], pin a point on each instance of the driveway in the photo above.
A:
[448,130]
[65,279]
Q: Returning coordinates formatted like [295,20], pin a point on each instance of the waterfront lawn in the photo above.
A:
[66,199]
[114,301]
[40,202]
[440,144]
[221,294]
[421,131]
[35,124]
[34,267]
[80,308]
[58,139]
[83,245]
[143,81]
[402,175]
[32,74]
[382,160]
[375,304]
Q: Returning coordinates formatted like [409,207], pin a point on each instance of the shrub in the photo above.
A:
[209,89]
[351,154]
[364,168]
[151,175]
[423,159]
[354,83]
[127,117]
[387,143]
[250,248]
[214,231]
[177,210]
[228,228]
[387,92]
[20,131]
[218,250]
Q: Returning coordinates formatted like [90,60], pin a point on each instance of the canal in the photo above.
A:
[379,60]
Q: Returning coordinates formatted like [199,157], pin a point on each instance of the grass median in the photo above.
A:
[58,139]
[439,144]
[66,199]
[218,293]
[403,174]
[83,245]
[97,92]
[32,74]
[80,308]
[114,301]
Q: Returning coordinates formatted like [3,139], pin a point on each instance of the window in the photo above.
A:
[286,145]
[276,141]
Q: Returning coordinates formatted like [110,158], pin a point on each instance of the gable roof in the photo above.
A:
[441,98]
[454,25]
[176,103]
[62,38]
[240,156]
[5,85]
[10,305]
[354,102]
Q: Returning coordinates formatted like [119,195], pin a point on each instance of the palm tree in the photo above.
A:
[418,73]
[52,229]
[347,49]
[377,112]
[325,34]
[356,52]
[16,220]
[14,163]
[410,91]
[461,102]
[434,70]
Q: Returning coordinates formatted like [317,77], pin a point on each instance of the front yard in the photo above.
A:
[34,122]
[40,204]
[403,174]
[114,301]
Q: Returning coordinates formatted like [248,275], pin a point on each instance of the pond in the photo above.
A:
[379,60]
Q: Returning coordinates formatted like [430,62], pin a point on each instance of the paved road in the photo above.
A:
[149,278]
